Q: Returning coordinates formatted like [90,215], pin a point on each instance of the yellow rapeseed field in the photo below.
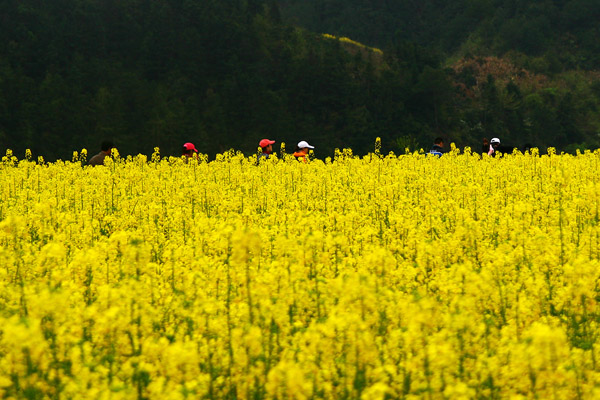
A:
[409,277]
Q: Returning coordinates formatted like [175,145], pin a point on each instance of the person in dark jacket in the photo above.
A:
[496,147]
[105,151]
[486,146]
[438,147]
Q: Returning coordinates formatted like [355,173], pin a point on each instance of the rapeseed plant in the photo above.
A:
[376,277]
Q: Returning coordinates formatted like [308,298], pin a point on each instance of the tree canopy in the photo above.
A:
[566,30]
[225,74]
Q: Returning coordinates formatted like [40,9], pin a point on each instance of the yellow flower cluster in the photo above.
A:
[409,277]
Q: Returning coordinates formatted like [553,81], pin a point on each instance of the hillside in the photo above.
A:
[222,75]
[527,71]
[565,32]
[226,74]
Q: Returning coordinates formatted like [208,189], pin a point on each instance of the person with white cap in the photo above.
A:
[301,152]
[267,149]
[494,145]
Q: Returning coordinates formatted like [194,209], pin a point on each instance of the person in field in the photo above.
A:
[105,150]
[486,146]
[301,152]
[494,147]
[267,149]
[188,151]
[438,147]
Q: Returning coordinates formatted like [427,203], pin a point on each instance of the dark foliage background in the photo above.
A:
[226,73]
[565,32]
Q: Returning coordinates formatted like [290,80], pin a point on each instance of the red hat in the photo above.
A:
[190,146]
[266,142]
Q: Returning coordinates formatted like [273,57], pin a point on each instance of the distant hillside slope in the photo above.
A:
[225,74]
[566,32]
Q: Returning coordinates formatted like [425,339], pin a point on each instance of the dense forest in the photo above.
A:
[224,74]
[525,70]
[563,32]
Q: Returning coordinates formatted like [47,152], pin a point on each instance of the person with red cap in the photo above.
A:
[188,151]
[267,149]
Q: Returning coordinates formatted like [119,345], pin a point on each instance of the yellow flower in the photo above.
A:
[355,277]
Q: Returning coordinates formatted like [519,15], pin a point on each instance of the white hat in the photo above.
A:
[495,140]
[303,144]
